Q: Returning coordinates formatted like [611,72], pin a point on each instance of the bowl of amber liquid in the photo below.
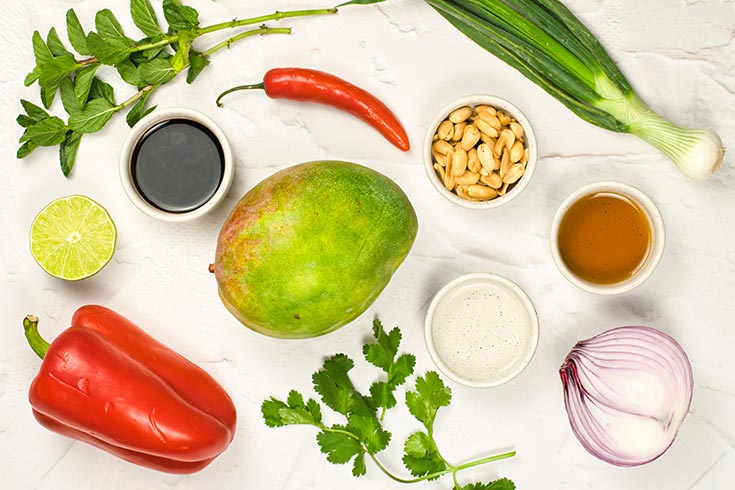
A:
[607,238]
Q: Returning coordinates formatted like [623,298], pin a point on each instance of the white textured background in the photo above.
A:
[680,56]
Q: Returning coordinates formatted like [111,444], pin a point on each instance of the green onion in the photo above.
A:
[545,42]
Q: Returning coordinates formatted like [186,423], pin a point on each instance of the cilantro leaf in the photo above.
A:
[75,33]
[430,395]
[180,17]
[144,17]
[278,414]
[382,354]
[336,389]
[340,447]
[420,455]
[370,432]
[501,484]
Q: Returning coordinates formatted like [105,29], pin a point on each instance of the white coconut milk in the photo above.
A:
[485,332]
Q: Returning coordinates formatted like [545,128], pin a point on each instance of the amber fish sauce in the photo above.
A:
[605,238]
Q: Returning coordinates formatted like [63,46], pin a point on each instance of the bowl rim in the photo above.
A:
[136,133]
[499,103]
[486,278]
[658,237]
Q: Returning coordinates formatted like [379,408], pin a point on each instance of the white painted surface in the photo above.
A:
[679,54]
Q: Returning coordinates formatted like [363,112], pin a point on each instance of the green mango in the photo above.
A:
[310,248]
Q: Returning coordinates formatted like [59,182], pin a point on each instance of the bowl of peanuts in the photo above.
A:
[480,151]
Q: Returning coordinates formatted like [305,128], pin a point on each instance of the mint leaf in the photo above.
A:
[68,98]
[47,132]
[32,76]
[197,62]
[55,70]
[139,111]
[359,2]
[339,447]
[129,73]
[24,121]
[55,45]
[107,51]
[336,389]
[83,83]
[75,33]
[68,152]
[502,484]
[47,96]
[180,17]
[144,17]
[430,395]
[25,149]
[102,90]
[108,28]
[420,455]
[40,50]
[156,71]
[94,116]
[34,112]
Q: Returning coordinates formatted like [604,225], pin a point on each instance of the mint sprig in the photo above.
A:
[362,436]
[146,64]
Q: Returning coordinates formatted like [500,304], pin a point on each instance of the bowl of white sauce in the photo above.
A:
[481,330]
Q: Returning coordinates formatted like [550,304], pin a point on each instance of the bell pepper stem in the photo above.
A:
[30,326]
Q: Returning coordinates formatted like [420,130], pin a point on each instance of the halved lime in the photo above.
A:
[73,238]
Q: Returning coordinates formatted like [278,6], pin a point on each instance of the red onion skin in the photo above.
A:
[576,405]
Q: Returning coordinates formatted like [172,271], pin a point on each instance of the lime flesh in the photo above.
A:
[73,238]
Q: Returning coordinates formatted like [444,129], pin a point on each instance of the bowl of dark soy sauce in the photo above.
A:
[176,164]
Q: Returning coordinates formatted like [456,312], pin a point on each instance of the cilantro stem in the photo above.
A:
[262,18]
[262,31]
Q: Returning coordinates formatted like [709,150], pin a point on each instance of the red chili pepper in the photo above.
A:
[106,382]
[308,85]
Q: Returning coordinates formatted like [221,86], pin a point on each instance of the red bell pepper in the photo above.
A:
[106,382]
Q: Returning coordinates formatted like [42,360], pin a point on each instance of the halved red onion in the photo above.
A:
[627,392]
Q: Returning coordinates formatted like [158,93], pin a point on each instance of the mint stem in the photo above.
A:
[263,18]
[262,31]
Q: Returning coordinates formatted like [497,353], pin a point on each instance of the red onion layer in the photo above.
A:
[627,392]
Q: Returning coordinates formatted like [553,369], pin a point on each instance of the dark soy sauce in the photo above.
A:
[177,165]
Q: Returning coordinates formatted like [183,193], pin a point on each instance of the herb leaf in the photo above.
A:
[370,432]
[382,354]
[420,455]
[55,70]
[25,149]
[180,17]
[156,71]
[47,132]
[55,45]
[144,17]
[107,51]
[139,111]
[75,32]
[68,152]
[336,389]
[129,73]
[339,447]
[430,395]
[277,413]
[68,98]
[501,484]
[83,83]
[197,62]
[94,116]
[34,112]
[102,90]
[40,50]
[108,26]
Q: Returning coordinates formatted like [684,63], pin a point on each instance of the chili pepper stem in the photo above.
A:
[30,326]
[253,86]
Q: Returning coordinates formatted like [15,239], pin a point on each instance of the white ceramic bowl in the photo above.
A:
[141,128]
[658,237]
[481,330]
[498,103]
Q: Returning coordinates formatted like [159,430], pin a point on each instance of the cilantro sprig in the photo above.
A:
[145,63]
[362,435]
